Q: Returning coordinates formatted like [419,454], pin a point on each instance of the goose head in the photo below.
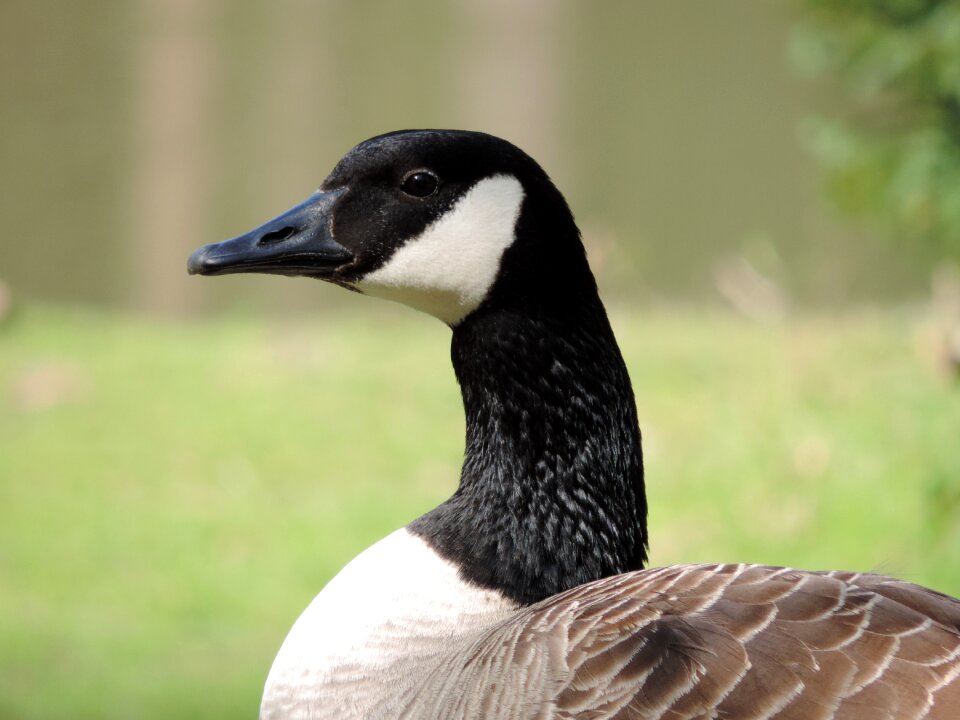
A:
[429,218]
[468,228]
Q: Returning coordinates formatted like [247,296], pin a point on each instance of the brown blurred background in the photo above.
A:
[132,132]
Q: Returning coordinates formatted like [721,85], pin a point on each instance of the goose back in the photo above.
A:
[711,641]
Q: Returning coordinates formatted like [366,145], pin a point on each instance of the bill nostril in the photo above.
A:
[275,236]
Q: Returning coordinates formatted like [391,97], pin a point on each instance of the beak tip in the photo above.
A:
[197,262]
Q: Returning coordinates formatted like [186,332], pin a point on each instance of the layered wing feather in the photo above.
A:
[720,641]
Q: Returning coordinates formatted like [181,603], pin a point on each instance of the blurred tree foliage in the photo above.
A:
[895,156]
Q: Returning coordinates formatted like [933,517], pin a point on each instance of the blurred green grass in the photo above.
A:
[172,494]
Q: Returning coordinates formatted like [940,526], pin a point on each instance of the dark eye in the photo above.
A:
[420,184]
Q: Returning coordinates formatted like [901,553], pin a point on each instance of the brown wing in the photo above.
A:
[725,641]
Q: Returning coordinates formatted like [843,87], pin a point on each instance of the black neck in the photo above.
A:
[551,492]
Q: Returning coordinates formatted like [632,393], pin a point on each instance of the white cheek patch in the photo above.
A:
[448,269]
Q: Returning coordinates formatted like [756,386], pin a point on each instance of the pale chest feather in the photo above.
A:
[390,616]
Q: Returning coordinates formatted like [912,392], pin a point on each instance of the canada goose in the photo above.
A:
[522,596]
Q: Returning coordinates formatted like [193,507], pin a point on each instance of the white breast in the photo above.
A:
[390,615]
[448,269]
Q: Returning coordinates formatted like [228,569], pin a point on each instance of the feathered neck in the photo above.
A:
[551,493]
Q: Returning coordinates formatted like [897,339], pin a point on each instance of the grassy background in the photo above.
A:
[173,494]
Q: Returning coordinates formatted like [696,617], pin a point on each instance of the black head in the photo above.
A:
[469,228]
[437,219]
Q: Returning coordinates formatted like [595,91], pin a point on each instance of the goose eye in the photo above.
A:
[420,184]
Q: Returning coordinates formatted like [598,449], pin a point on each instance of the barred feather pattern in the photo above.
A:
[742,642]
